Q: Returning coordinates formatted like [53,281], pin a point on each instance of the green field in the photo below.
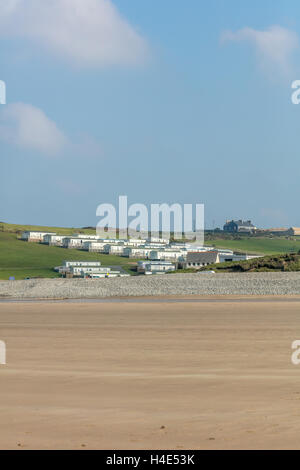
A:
[255,245]
[22,259]
[287,262]
[14,228]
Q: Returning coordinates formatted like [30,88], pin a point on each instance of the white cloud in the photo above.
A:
[86,32]
[274,45]
[28,127]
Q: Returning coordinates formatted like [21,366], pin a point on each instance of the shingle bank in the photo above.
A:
[160,285]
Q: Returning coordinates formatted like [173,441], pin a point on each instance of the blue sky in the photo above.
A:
[162,101]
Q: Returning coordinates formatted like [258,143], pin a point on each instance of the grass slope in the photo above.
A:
[22,259]
[287,262]
[14,228]
[257,245]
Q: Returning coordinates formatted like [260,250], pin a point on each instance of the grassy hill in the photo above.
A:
[286,262]
[258,245]
[18,229]
[22,259]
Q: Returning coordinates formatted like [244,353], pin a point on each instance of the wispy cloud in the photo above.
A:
[85,32]
[274,45]
[29,128]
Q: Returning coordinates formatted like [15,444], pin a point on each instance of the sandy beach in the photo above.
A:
[150,375]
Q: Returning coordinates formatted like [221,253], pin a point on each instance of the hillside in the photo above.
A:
[22,259]
[18,229]
[287,262]
[257,245]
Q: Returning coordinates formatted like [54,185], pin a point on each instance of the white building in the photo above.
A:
[164,241]
[136,252]
[93,264]
[68,265]
[134,242]
[96,247]
[83,271]
[55,240]
[112,249]
[168,254]
[198,248]
[71,242]
[154,267]
[96,273]
[85,237]
[117,274]
[227,257]
[35,236]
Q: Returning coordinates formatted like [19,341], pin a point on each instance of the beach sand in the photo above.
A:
[157,375]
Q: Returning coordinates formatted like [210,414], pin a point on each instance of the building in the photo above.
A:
[87,269]
[155,267]
[109,274]
[84,271]
[112,249]
[235,226]
[96,275]
[67,266]
[55,240]
[137,252]
[197,260]
[73,242]
[225,257]
[164,241]
[134,242]
[294,231]
[37,237]
[85,237]
[167,254]
[275,231]
[193,247]
[223,251]
[95,247]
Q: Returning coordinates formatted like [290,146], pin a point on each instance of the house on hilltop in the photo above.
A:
[235,226]
[294,231]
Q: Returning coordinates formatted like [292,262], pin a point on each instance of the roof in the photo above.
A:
[240,223]
[202,257]
[83,262]
[158,263]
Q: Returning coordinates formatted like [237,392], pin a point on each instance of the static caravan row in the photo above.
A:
[35,236]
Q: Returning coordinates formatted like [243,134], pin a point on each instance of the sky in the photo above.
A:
[163,101]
